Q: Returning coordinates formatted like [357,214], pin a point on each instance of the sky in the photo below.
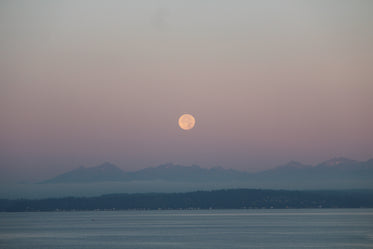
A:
[84,82]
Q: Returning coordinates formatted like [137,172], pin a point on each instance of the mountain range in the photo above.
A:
[334,173]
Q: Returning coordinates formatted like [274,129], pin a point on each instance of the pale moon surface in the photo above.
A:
[186,121]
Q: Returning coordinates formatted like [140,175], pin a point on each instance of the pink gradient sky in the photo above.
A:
[84,82]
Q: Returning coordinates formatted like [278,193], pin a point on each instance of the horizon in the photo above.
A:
[73,168]
[268,82]
[335,161]
[220,166]
[334,174]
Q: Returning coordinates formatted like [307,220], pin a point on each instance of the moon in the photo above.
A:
[187,121]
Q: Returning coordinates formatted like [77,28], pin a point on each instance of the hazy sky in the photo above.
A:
[84,82]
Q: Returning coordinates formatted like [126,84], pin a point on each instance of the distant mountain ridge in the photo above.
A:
[165,172]
[103,172]
[334,172]
[174,172]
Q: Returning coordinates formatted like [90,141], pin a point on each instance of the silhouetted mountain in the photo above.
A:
[103,172]
[331,174]
[194,173]
[291,167]
[333,165]
[339,162]
[164,172]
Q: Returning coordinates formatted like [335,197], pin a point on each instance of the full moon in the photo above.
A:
[186,121]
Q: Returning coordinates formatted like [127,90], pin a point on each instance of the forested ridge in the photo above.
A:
[217,199]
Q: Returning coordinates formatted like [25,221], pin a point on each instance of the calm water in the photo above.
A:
[228,229]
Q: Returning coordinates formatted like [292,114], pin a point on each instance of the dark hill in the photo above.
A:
[218,199]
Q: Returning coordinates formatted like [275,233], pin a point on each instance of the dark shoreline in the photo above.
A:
[216,199]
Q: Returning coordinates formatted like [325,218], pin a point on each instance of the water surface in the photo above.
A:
[303,228]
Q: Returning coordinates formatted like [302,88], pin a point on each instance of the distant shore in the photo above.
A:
[217,199]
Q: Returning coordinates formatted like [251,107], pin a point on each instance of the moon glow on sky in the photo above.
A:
[186,121]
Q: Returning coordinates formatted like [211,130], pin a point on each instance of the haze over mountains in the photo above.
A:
[335,173]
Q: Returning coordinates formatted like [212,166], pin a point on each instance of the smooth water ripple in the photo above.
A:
[303,228]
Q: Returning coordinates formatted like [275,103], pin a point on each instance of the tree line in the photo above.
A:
[217,199]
